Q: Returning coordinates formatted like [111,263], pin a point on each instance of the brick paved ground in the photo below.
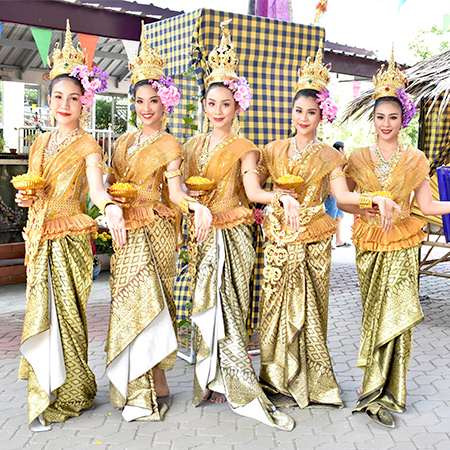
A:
[425,425]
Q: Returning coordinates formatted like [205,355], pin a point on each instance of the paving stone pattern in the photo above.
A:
[425,424]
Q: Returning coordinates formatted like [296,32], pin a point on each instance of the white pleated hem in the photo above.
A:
[45,355]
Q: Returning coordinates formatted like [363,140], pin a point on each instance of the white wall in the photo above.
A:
[13,111]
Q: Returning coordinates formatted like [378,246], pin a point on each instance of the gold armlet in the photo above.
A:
[172,174]
[251,171]
[337,175]
[104,203]
[102,166]
[184,204]
[365,200]
[99,165]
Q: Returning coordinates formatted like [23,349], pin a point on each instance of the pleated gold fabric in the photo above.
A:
[137,300]
[391,308]
[293,332]
[69,260]
[235,375]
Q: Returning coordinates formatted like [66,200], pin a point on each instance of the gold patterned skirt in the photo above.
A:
[55,338]
[142,322]
[293,324]
[220,310]
[391,308]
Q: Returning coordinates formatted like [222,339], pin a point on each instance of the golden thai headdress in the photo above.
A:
[147,64]
[386,82]
[66,59]
[314,75]
[222,60]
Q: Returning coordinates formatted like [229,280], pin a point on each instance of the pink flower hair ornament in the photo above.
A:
[93,81]
[327,105]
[168,92]
[241,92]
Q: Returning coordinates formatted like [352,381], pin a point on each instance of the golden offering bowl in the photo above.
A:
[124,191]
[28,182]
[289,182]
[199,184]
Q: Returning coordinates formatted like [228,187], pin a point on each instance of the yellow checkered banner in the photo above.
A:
[436,134]
[270,52]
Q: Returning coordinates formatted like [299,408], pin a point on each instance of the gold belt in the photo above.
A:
[224,205]
[60,208]
[145,194]
[397,218]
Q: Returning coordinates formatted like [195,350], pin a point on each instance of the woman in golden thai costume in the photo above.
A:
[295,361]
[58,248]
[388,263]
[221,267]
[141,340]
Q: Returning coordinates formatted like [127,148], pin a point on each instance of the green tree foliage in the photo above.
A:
[429,42]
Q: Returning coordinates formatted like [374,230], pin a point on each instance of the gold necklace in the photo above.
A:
[206,154]
[298,153]
[382,167]
[53,147]
[147,140]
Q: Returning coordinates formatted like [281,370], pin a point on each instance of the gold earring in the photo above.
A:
[52,120]
[320,130]
[235,126]
[205,124]
[401,137]
[293,129]
[163,122]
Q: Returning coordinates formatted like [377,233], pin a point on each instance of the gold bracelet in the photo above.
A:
[386,194]
[184,204]
[103,204]
[337,175]
[172,174]
[275,202]
[251,171]
[365,201]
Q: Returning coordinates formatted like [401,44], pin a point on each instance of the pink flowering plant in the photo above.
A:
[408,107]
[258,215]
[241,92]
[327,105]
[94,82]
[168,92]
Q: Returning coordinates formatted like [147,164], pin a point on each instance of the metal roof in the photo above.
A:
[18,50]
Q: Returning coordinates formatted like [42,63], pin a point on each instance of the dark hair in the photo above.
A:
[138,85]
[214,85]
[382,100]
[338,145]
[308,93]
[59,78]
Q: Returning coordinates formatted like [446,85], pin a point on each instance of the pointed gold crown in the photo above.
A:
[66,59]
[387,82]
[222,60]
[147,64]
[314,75]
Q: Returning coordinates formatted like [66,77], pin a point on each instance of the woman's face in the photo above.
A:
[387,120]
[306,116]
[220,107]
[65,102]
[149,107]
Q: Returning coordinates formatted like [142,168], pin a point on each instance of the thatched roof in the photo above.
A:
[427,81]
